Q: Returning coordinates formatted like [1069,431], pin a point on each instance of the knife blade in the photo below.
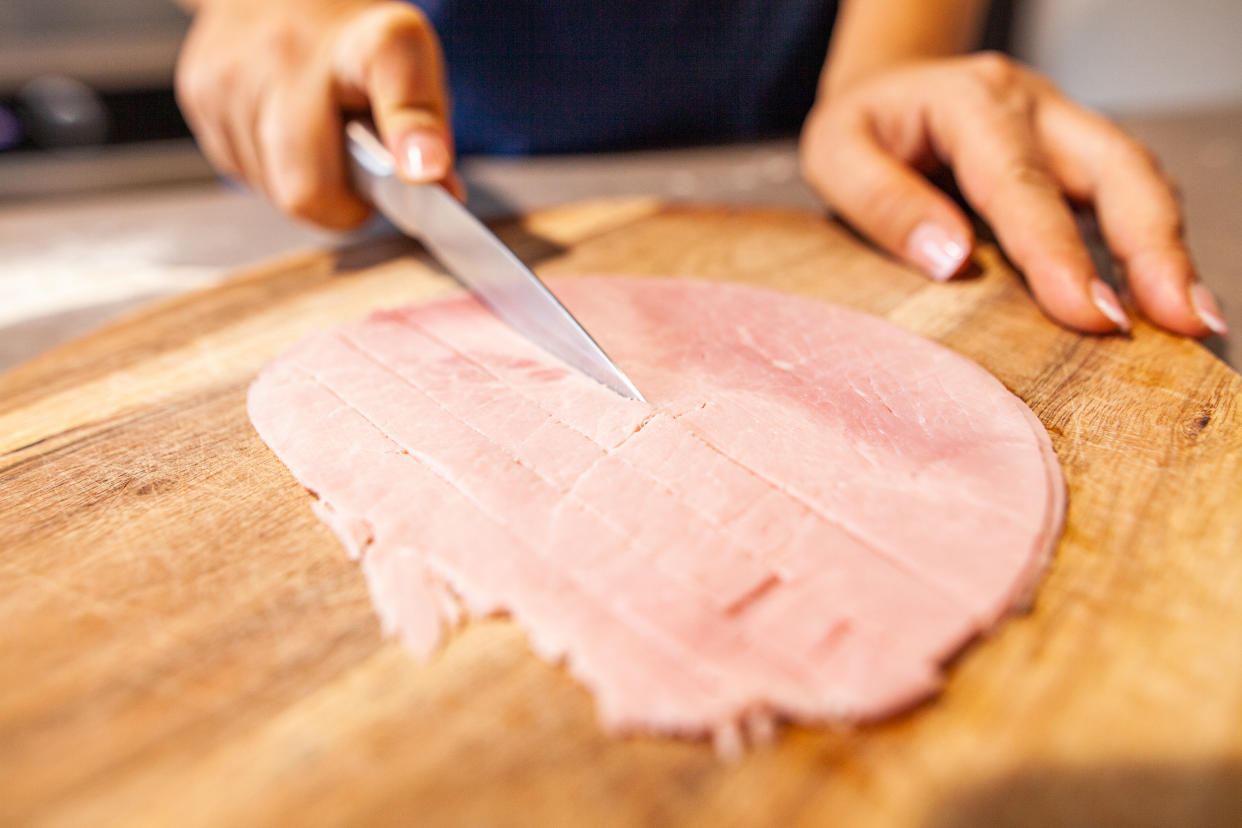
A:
[477,259]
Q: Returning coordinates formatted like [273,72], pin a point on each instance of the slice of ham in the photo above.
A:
[813,513]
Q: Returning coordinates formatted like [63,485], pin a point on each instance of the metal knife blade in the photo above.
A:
[477,259]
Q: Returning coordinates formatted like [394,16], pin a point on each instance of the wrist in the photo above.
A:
[876,36]
[839,77]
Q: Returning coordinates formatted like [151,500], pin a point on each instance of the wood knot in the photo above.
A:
[1197,423]
[150,486]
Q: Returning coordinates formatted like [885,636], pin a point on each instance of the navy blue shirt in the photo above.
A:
[531,76]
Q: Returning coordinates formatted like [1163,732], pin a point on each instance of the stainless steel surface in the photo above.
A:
[478,259]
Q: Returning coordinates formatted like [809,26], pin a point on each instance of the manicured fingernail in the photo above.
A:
[1206,308]
[935,250]
[425,157]
[1108,303]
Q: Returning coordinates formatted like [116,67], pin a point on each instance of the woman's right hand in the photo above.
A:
[264,85]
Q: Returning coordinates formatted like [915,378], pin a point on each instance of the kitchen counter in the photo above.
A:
[73,263]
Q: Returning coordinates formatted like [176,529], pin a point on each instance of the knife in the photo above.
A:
[477,259]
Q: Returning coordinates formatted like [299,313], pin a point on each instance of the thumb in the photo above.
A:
[889,203]
[389,59]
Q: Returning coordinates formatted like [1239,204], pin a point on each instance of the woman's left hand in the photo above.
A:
[1020,151]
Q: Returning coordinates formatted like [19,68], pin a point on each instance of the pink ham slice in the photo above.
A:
[815,511]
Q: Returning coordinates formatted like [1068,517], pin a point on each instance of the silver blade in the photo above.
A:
[479,260]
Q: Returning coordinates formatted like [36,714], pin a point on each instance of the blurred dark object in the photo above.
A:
[86,99]
[998,27]
[54,112]
[11,133]
[61,112]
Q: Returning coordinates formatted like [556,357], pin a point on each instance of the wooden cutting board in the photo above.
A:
[182,643]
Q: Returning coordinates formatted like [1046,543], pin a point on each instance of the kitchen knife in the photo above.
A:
[477,259]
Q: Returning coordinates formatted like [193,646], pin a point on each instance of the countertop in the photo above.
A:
[72,263]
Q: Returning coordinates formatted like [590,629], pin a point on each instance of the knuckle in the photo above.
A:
[995,69]
[1028,175]
[187,68]
[815,135]
[279,43]
[814,169]
[188,90]
[192,83]
[1134,154]
[348,215]
[299,192]
[828,141]
[211,84]
[392,35]
[199,101]
[1064,270]
[1040,85]
[1127,155]
[403,26]
[412,15]
[885,200]
[811,171]
[1017,103]
[309,196]
[1017,179]
[275,134]
[1173,218]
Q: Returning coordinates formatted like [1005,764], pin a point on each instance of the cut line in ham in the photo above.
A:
[813,513]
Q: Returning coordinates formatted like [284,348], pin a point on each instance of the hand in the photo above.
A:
[264,85]
[1018,149]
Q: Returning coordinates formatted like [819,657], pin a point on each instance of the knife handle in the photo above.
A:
[369,161]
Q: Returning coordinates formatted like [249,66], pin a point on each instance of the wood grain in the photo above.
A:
[184,644]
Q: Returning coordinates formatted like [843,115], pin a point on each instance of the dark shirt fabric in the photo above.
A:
[538,76]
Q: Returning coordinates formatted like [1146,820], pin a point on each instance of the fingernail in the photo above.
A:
[935,250]
[425,157]
[1108,303]
[1205,306]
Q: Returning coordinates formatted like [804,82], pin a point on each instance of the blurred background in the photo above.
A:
[105,202]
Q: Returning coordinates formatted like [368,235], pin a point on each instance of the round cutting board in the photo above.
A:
[183,643]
